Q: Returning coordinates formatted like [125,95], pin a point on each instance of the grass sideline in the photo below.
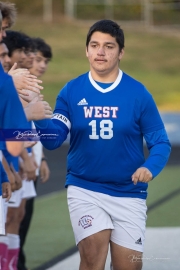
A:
[149,57]
[51,232]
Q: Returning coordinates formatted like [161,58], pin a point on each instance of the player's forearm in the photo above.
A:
[56,135]
[158,157]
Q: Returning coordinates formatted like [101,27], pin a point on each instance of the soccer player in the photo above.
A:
[42,57]
[11,116]
[9,14]
[108,113]
[4,57]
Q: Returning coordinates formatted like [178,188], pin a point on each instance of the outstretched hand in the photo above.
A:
[24,80]
[38,109]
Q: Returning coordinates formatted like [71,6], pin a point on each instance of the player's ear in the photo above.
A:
[121,54]
[87,52]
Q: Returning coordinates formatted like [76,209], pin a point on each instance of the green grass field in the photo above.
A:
[51,232]
[149,57]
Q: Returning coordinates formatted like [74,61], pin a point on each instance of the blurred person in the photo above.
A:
[30,52]
[16,45]
[17,203]
[9,101]
[4,57]
[9,13]
[42,57]
[108,113]
[8,120]
[40,64]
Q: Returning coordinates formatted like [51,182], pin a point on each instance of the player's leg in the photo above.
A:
[93,251]
[128,236]
[125,259]
[92,227]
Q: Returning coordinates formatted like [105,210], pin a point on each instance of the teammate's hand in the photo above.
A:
[11,179]
[30,168]
[6,191]
[29,144]
[44,171]
[24,80]
[142,175]
[18,180]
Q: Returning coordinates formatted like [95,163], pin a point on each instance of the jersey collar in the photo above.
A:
[110,88]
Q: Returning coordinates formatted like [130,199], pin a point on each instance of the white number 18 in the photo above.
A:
[105,126]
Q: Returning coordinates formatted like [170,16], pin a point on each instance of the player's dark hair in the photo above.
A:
[43,47]
[107,27]
[30,46]
[14,40]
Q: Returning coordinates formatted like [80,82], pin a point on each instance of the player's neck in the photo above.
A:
[104,77]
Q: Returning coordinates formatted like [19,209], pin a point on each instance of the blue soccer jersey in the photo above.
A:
[12,115]
[107,127]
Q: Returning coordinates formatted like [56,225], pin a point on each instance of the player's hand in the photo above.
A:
[24,80]
[11,179]
[30,168]
[18,180]
[44,171]
[142,175]
[38,109]
[6,191]
[29,144]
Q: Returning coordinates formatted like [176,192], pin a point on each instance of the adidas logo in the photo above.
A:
[82,102]
[139,242]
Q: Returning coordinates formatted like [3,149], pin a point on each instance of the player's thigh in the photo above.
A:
[94,248]
[129,220]
[87,215]
[125,259]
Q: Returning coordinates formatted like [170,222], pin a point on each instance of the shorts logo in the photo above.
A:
[85,221]
[139,241]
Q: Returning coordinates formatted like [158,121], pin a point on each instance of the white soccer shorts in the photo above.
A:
[2,218]
[92,212]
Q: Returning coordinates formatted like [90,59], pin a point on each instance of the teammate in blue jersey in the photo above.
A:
[11,111]
[108,113]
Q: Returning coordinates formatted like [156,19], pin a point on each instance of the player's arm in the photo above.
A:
[156,139]
[59,125]
[9,173]
[159,150]
[6,188]
[13,117]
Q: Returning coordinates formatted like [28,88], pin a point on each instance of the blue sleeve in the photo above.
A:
[159,151]
[148,116]
[4,177]
[58,125]
[13,112]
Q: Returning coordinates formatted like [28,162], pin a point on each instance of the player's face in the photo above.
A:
[103,54]
[4,58]
[18,56]
[40,65]
[28,60]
